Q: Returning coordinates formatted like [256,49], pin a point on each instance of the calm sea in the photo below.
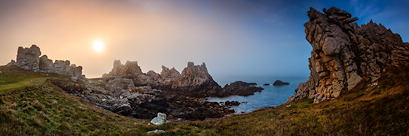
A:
[270,96]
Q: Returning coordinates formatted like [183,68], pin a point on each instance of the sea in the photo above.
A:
[270,96]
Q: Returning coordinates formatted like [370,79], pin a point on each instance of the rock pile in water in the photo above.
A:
[344,54]
[29,59]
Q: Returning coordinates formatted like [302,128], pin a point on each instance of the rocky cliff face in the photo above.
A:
[344,54]
[29,59]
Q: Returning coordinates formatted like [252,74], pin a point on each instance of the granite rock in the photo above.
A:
[344,53]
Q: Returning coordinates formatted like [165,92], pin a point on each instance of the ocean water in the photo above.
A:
[270,96]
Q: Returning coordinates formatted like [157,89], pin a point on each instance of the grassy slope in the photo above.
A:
[381,111]
[45,109]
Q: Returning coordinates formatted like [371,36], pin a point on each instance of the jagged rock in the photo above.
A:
[344,54]
[160,119]
[27,58]
[172,73]
[193,75]
[153,75]
[279,82]
[266,84]
[130,68]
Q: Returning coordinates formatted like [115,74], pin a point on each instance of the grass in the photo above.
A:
[13,77]
[382,111]
[44,109]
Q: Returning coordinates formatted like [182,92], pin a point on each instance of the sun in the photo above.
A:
[98,45]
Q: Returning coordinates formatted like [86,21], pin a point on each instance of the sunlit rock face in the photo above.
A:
[344,54]
[29,59]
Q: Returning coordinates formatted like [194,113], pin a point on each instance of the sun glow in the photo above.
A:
[98,45]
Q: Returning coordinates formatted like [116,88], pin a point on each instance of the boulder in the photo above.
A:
[160,119]
[279,82]
[156,131]
[46,65]
[266,84]
[231,103]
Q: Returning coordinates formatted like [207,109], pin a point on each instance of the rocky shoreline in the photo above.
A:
[128,91]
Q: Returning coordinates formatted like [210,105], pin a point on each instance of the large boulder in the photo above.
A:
[160,119]
[46,65]
[344,54]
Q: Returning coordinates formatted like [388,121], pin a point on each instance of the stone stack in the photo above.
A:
[29,59]
[344,54]
[127,69]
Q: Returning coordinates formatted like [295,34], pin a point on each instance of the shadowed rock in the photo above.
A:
[279,82]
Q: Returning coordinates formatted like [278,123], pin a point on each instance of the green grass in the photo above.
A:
[44,109]
[13,77]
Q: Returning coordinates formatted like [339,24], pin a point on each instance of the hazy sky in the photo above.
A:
[233,37]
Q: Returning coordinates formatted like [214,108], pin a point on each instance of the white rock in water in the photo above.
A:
[160,119]
[157,131]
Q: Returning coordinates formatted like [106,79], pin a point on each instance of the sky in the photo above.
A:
[233,37]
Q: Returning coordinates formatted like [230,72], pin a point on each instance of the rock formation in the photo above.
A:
[160,119]
[194,81]
[344,54]
[130,68]
[121,96]
[29,59]
[279,82]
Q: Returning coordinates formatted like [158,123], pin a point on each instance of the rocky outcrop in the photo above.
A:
[344,54]
[29,59]
[279,82]
[239,88]
[129,68]
[194,81]
[121,96]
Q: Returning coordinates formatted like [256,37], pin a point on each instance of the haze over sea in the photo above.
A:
[270,96]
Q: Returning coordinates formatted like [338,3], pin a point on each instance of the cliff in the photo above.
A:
[344,54]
